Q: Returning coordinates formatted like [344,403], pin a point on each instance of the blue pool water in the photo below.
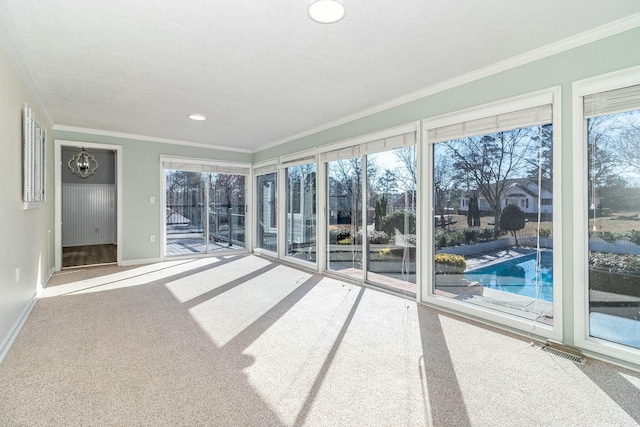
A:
[518,276]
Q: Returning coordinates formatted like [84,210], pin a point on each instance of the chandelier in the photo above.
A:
[83,164]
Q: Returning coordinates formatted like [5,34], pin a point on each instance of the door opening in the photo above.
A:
[87,206]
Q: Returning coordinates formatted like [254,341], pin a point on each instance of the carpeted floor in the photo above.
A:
[240,341]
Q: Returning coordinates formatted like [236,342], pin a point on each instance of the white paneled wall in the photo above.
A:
[88,214]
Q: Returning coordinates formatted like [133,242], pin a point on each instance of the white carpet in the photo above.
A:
[240,341]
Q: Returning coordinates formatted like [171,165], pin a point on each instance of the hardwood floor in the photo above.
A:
[89,255]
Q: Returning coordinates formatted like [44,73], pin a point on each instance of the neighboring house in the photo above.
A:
[404,201]
[522,192]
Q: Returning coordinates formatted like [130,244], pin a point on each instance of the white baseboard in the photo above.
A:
[45,282]
[15,330]
[139,261]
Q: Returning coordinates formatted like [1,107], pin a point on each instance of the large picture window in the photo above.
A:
[612,145]
[492,224]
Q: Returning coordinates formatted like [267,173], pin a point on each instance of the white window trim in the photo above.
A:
[609,81]
[547,96]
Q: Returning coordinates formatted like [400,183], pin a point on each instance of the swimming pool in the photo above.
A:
[517,276]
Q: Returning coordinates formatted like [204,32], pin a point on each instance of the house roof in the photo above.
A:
[520,184]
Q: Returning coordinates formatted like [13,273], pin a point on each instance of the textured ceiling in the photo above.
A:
[262,71]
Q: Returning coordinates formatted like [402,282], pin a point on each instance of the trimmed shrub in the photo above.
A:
[607,236]
[338,234]
[384,251]
[487,235]
[471,234]
[634,236]
[395,221]
[614,262]
[544,233]
[456,238]
[512,219]
[440,239]
[378,237]
[449,263]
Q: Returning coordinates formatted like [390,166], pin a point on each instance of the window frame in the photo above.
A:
[285,162]
[428,297]
[264,168]
[238,168]
[362,146]
[580,89]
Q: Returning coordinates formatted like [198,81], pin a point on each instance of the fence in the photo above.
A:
[226,224]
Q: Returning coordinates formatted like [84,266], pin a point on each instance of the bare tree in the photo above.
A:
[603,155]
[443,174]
[407,177]
[628,147]
[542,164]
[488,161]
[345,179]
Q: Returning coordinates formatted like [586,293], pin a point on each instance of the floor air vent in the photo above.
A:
[558,351]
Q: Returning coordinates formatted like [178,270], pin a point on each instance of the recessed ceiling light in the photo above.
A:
[195,116]
[327,11]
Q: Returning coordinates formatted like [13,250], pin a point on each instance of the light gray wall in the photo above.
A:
[24,233]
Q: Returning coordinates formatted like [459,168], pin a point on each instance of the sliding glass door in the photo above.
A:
[301,212]
[226,211]
[371,212]
[344,214]
[267,212]
[185,220]
[204,212]
[391,218]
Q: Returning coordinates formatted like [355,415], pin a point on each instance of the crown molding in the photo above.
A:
[598,33]
[14,57]
[123,135]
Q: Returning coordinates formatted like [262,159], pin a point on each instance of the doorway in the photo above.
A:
[88,205]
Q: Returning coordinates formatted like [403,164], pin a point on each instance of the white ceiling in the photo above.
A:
[262,71]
